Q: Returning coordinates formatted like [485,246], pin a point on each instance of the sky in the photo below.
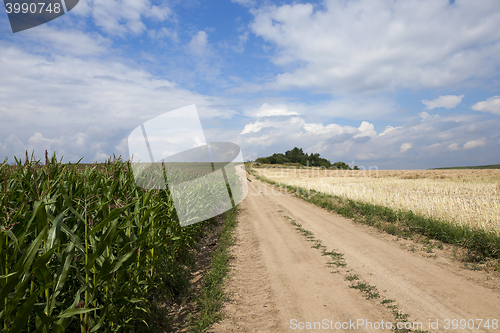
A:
[392,84]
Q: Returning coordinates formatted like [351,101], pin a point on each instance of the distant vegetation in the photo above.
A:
[492,166]
[296,155]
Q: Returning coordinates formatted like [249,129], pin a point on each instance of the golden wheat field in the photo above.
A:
[470,197]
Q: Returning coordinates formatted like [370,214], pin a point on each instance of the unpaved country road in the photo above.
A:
[279,281]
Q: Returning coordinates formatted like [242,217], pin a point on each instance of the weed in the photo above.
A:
[212,295]
[472,266]
[429,248]
[318,245]
[337,258]
[362,286]
[368,290]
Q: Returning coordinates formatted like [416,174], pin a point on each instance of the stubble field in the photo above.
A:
[465,197]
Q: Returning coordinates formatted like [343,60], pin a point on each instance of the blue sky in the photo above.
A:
[393,84]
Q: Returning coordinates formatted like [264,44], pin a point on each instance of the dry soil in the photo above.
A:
[279,283]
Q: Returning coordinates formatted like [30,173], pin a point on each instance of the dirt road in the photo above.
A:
[280,283]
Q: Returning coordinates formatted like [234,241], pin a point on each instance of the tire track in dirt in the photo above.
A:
[276,266]
[257,313]
[426,288]
[277,276]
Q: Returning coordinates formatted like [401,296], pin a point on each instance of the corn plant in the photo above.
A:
[81,248]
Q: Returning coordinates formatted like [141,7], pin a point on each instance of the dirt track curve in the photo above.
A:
[280,283]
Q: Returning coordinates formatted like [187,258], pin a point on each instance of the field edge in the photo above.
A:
[481,245]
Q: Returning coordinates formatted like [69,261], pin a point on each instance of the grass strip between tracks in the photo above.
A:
[481,244]
[370,292]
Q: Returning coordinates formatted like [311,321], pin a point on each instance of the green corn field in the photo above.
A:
[83,248]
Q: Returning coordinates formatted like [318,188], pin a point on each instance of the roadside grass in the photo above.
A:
[481,245]
[212,296]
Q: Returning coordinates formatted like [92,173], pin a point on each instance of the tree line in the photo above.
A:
[297,155]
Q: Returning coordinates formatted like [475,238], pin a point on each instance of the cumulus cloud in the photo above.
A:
[119,17]
[437,141]
[160,13]
[98,102]
[447,102]
[405,146]
[388,130]
[328,131]
[366,130]
[491,105]
[343,107]
[268,110]
[199,42]
[307,130]
[475,143]
[290,123]
[352,46]
[69,42]
[454,146]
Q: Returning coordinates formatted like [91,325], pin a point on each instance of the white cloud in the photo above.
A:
[160,13]
[120,17]
[491,105]
[296,129]
[267,110]
[447,102]
[453,147]
[164,33]
[199,42]
[405,146]
[11,146]
[388,130]
[82,107]
[345,107]
[68,42]
[294,123]
[245,3]
[329,130]
[425,116]
[475,143]
[409,44]
[366,129]
[435,142]
[253,128]
[38,139]
[435,146]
